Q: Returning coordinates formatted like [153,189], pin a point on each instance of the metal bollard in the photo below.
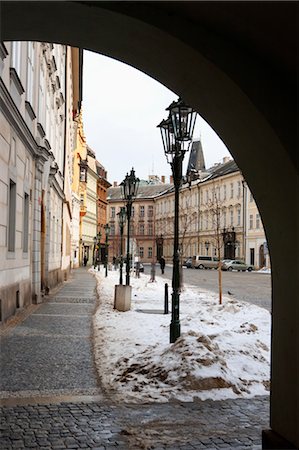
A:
[166,299]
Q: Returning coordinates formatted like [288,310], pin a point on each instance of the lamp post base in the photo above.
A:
[122,297]
[175,331]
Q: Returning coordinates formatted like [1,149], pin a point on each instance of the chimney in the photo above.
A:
[163,179]
[225,159]
[171,179]
[114,183]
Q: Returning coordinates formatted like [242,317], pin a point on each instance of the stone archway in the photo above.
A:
[241,79]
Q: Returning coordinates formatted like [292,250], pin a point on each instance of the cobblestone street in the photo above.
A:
[51,398]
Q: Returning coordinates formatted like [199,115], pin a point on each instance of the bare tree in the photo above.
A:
[215,211]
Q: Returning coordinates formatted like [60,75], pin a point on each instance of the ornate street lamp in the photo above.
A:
[207,245]
[121,221]
[94,251]
[97,244]
[107,230]
[176,132]
[129,188]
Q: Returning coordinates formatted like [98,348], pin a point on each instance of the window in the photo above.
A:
[224,218]
[141,252]
[141,229]
[250,197]
[257,221]
[141,211]
[12,216]
[131,229]
[239,216]
[132,211]
[41,97]
[150,228]
[251,221]
[16,57]
[112,212]
[224,192]
[30,72]
[239,189]
[150,211]
[231,217]
[83,174]
[207,195]
[26,223]
[150,252]
[232,190]
[112,229]
[207,221]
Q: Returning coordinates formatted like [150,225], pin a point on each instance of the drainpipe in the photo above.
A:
[244,218]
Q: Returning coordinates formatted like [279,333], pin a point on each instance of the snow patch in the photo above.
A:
[223,351]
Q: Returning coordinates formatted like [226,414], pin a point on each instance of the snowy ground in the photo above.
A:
[223,351]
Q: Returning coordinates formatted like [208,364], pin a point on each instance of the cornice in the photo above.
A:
[15,77]
[68,207]
[58,188]
[3,51]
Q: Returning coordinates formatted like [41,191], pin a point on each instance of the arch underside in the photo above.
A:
[240,75]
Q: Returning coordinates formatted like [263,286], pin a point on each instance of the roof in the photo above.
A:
[223,169]
[144,191]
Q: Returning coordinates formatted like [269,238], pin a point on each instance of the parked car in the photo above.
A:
[188,263]
[235,264]
[141,266]
[205,262]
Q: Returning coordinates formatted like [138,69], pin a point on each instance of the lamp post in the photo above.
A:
[94,251]
[97,243]
[207,245]
[107,229]
[176,132]
[121,220]
[129,188]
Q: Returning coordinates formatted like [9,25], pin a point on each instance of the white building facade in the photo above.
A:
[33,175]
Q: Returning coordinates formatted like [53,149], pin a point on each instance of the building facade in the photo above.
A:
[143,236]
[102,187]
[36,93]
[217,215]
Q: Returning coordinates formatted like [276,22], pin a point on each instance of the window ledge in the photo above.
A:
[15,78]
[30,111]
[41,130]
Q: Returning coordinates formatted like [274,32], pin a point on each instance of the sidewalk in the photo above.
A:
[52,399]
[50,351]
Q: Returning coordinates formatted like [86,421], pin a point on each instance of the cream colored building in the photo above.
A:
[220,189]
[89,220]
[256,248]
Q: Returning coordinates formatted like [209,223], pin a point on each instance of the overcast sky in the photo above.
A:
[121,110]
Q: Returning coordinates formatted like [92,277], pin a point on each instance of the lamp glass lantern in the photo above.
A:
[122,216]
[129,186]
[183,119]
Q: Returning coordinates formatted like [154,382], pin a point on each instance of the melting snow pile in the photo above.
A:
[223,351]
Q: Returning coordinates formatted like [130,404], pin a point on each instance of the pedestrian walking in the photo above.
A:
[162,264]
[85,260]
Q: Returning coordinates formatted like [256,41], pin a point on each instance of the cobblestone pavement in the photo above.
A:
[205,425]
[50,351]
[52,400]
